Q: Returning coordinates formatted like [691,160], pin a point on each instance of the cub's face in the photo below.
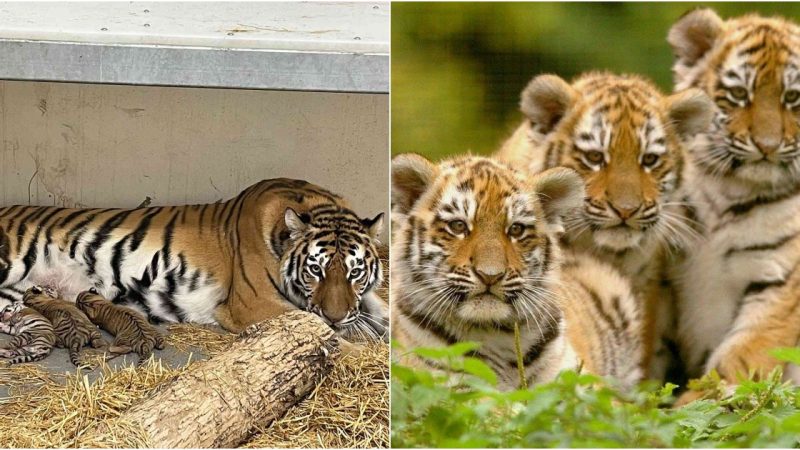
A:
[330,262]
[34,293]
[9,311]
[624,138]
[90,302]
[750,66]
[476,240]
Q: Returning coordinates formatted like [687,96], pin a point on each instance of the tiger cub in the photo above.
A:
[34,337]
[72,328]
[475,251]
[132,332]
[740,286]
[625,138]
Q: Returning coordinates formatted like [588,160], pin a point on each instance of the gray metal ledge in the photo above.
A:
[340,47]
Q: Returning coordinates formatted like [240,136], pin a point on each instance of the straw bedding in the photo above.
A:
[350,408]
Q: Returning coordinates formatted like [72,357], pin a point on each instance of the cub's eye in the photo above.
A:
[738,93]
[315,270]
[355,273]
[650,159]
[791,96]
[516,230]
[457,226]
[595,157]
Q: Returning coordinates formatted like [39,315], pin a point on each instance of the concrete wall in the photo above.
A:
[82,145]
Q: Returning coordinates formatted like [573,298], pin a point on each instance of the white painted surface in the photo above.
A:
[350,27]
[307,46]
[81,145]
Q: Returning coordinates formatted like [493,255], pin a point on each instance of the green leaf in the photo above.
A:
[787,354]
[480,369]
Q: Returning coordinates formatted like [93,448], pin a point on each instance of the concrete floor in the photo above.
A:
[58,361]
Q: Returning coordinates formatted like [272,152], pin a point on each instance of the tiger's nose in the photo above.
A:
[767,145]
[624,210]
[334,317]
[489,276]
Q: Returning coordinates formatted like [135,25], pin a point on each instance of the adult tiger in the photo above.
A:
[278,245]
[740,287]
[625,138]
[475,250]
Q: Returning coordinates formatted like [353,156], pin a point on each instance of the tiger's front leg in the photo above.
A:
[239,311]
[376,314]
[767,320]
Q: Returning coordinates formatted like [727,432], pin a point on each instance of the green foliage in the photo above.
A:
[458,68]
[432,409]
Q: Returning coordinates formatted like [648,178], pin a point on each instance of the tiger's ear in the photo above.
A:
[294,221]
[374,226]
[546,100]
[560,191]
[412,174]
[690,112]
[694,34]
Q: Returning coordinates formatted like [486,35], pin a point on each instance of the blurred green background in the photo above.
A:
[458,68]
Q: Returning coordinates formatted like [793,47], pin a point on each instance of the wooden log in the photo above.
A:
[219,402]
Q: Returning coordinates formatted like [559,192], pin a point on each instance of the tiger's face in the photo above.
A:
[750,66]
[478,241]
[9,311]
[330,263]
[624,138]
[90,302]
[39,292]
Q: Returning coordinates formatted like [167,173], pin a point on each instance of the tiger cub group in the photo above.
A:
[42,321]
[678,256]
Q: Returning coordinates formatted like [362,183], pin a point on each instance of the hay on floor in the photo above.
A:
[350,408]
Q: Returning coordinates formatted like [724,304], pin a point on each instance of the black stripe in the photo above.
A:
[100,238]
[745,207]
[756,287]
[534,351]
[427,325]
[141,230]
[761,247]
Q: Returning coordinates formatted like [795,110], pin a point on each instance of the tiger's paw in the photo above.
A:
[350,349]
[690,396]
[745,363]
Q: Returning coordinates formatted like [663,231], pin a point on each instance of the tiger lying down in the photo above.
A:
[279,245]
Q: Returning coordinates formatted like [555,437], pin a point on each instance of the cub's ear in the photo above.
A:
[412,174]
[690,112]
[694,34]
[295,222]
[374,225]
[560,191]
[546,100]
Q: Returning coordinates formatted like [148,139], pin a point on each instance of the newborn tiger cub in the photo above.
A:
[73,329]
[132,332]
[34,336]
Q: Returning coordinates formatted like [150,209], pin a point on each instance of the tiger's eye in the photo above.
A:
[315,270]
[791,96]
[355,273]
[457,226]
[649,160]
[595,157]
[516,230]
[738,93]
